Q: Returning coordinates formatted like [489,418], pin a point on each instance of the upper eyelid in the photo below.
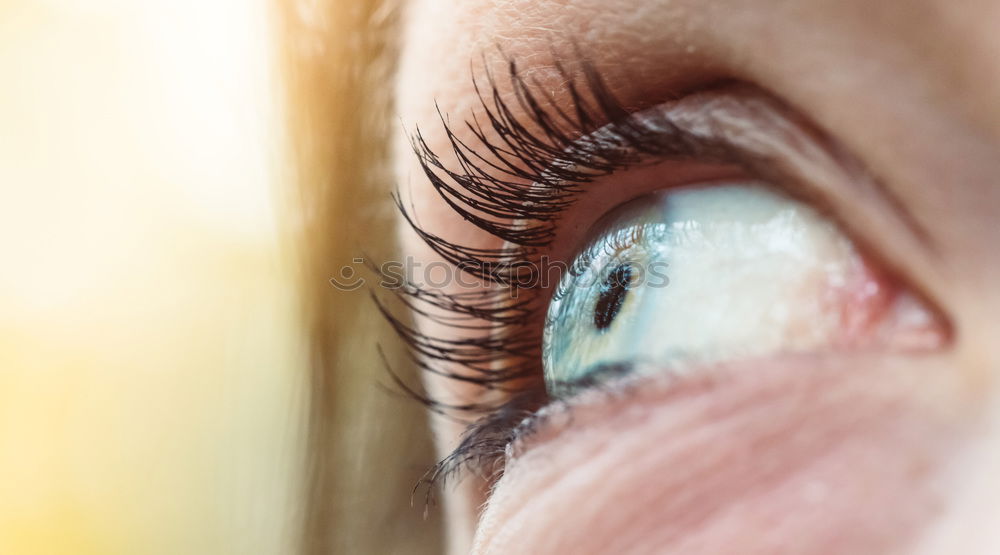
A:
[748,128]
[537,161]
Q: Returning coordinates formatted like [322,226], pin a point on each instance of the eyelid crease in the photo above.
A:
[754,122]
[740,125]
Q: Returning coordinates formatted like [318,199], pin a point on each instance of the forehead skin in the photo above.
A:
[909,86]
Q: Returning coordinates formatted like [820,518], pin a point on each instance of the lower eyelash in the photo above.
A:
[483,447]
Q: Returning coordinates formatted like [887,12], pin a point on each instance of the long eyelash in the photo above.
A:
[536,167]
[484,444]
[526,163]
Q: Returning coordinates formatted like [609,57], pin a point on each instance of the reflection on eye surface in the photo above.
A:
[709,274]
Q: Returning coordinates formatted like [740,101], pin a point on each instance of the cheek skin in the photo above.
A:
[801,456]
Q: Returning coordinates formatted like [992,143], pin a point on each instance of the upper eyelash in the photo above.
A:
[541,157]
[513,187]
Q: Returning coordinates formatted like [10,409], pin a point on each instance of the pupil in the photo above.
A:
[612,296]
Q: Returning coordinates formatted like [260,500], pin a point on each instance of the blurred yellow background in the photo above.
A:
[152,366]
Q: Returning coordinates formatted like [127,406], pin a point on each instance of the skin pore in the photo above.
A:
[838,453]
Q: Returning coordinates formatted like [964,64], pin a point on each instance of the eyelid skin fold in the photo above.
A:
[741,126]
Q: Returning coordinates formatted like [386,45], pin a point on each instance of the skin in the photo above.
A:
[881,453]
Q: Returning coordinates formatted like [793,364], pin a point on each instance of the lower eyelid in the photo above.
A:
[699,445]
[724,388]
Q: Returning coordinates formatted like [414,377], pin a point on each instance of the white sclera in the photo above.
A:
[749,273]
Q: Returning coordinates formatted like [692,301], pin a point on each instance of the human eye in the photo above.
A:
[701,232]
